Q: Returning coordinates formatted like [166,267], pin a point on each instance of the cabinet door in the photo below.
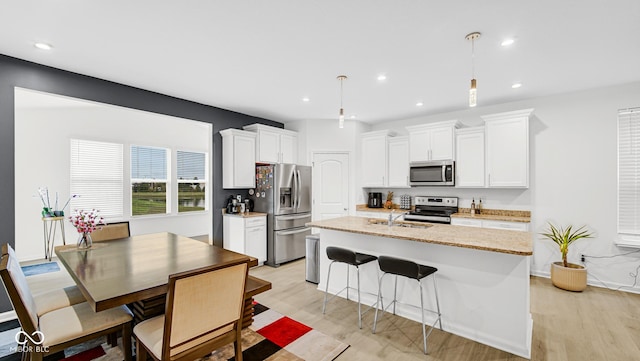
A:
[470,159]
[256,243]
[466,222]
[398,163]
[374,161]
[441,143]
[244,162]
[419,145]
[508,152]
[288,149]
[514,226]
[268,150]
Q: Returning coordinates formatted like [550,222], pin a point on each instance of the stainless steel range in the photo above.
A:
[433,209]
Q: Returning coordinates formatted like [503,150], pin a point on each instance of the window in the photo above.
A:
[192,181]
[97,177]
[629,176]
[149,180]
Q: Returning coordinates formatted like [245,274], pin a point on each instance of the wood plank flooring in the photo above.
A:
[597,324]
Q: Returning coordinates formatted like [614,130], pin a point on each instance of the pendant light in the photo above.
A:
[341,116]
[473,93]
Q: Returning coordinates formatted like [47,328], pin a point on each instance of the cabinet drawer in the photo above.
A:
[514,226]
[466,222]
[255,221]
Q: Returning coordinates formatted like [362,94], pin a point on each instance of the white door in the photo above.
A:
[330,185]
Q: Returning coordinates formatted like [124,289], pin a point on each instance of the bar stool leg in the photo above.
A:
[359,309]
[395,293]
[424,332]
[347,281]
[435,291]
[326,290]
[375,319]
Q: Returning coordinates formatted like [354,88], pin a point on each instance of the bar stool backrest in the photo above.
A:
[401,267]
[341,255]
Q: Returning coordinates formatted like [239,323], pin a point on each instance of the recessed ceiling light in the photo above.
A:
[306,99]
[419,104]
[43,46]
[507,42]
[382,77]
[352,117]
[516,85]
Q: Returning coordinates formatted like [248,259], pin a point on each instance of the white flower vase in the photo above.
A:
[85,242]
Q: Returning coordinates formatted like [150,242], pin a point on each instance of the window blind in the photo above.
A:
[97,177]
[148,163]
[629,172]
[191,166]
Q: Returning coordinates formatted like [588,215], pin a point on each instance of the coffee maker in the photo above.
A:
[375,200]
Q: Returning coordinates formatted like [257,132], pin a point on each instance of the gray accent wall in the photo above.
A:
[19,73]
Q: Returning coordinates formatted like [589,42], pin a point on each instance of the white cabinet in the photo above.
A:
[374,158]
[246,235]
[470,165]
[434,141]
[398,162]
[487,223]
[238,159]
[274,145]
[507,149]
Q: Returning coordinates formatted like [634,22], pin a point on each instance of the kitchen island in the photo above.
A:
[483,275]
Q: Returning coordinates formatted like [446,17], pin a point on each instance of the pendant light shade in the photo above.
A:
[473,92]
[341,114]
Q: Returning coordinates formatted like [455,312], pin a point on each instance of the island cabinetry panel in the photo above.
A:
[433,141]
[238,159]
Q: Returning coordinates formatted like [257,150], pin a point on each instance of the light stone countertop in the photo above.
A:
[488,214]
[486,239]
[243,215]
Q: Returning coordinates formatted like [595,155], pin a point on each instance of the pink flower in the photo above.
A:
[86,221]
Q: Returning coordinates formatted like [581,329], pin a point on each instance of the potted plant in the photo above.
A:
[565,275]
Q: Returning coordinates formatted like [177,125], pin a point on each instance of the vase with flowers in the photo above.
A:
[85,223]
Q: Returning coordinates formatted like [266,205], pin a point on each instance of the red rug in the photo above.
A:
[87,355]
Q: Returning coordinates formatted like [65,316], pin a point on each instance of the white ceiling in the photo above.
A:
[262,57]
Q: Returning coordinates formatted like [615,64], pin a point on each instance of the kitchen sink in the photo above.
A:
[400,223]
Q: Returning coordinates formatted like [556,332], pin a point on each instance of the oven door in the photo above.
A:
[432,173]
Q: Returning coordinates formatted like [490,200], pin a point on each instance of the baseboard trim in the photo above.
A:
[595,283]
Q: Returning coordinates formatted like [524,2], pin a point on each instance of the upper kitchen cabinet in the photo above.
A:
[507,149]
[470,165]
[398,162]
[238,158]
[274,145]
[374,158]
[433,141]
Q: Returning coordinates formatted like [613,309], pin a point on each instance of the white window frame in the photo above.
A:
[628,220]
[167,181]
[204,182]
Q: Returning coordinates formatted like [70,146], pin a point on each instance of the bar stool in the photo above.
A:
[351,258]
[412,270]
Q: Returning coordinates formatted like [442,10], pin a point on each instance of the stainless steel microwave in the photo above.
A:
[432,173]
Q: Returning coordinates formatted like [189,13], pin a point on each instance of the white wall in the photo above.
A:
[573,145]
[42,159]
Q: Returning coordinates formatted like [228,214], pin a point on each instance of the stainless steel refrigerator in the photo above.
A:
[283,191]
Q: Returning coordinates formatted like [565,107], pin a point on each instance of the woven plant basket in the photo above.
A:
[572,278]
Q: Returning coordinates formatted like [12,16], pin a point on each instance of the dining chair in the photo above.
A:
[203,313]
[52,299]
[111,231]
[59,329]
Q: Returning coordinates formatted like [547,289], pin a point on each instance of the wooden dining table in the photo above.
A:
[135,270]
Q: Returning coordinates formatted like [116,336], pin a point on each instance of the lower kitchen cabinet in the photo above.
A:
[489,223]
[246,234]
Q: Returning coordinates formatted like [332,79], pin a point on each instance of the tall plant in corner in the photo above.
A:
[565,237]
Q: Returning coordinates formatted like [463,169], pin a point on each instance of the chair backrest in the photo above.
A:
[18,290]
[111,231]
[202,305]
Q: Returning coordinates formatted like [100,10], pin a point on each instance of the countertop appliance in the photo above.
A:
[283,191]
[432,173]
[433,209]
[374,200]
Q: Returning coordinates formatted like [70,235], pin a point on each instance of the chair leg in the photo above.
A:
[237,344]
[35,356]
[112,339]
[126,341]
[141,351]
[424,332]
[326,289]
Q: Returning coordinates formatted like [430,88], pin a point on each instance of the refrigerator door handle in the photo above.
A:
[298,188]
[288,218]
[286,233]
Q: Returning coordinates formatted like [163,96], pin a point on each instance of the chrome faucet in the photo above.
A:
[393,219]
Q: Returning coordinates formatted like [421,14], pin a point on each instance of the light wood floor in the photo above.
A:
[597,324]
